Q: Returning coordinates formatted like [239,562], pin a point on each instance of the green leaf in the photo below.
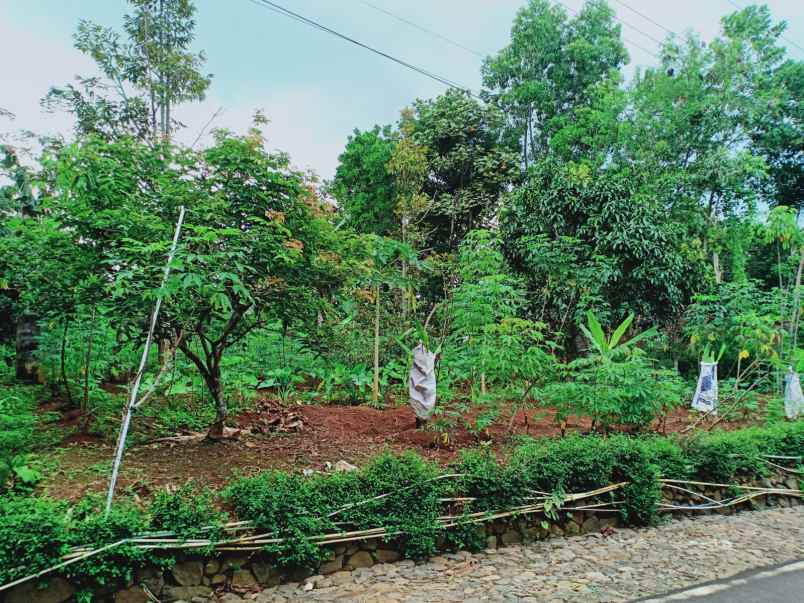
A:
[596,332]
[27,475]
[620,331]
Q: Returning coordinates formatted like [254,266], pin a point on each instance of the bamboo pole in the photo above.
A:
[135,387]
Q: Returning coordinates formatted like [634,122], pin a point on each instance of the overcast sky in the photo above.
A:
[315,88]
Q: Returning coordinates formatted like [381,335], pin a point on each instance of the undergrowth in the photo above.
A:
[403,494]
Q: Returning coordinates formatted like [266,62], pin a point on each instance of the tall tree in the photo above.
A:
[699,122]
[549,67]
[363,187]
[597,237]
[18,201]
[149,72]
[468,165]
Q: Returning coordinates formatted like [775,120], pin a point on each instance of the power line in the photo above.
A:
[646,17]
[302,19]
[785,38]
[631,42]
[424,29]
[635,28]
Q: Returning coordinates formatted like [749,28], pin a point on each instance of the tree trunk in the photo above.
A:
[375,390]
[797,300]
[63,364]
[221,408]
[716,267]
[27,368]
[210,369]
[404,269]
[87,364]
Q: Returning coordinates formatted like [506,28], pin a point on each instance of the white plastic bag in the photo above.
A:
[422,382]
[705,398]
[793,398]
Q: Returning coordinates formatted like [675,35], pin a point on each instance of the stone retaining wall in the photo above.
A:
[196,579]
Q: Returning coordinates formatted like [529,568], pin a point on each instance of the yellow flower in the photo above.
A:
[743,354]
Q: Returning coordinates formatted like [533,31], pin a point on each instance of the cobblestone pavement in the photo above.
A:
[627,565]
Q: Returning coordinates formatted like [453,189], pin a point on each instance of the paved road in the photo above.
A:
[780,584]
[625,566]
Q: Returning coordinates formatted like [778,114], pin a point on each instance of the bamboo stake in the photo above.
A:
[135,387]
[784,491]
[166,540]
[63,565]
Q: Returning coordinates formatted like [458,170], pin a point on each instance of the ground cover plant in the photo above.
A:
[570,244]
[401,493]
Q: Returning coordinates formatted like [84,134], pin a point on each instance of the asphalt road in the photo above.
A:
[779,584]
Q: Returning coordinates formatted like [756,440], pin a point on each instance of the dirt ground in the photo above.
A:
[327,434]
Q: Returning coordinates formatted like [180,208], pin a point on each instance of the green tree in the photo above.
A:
[252,251]
[486,294]
[699,120]
[150,71]
[589,237]
[549,68]
[468,166]
[385,266]
[363,186]
[18,201]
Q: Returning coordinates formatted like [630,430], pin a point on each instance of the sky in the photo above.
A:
[316,89]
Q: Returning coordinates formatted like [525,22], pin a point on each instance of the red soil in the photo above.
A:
[330,433]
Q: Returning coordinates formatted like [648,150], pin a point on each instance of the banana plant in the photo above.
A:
[607,347]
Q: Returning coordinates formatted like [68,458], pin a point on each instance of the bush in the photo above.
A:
[91,525]
[669,457]
[402,494]
[412,509]
[581,464]
[626,392]
[724,456]
[17,422]
[33,535]
[285,506]
[188,512]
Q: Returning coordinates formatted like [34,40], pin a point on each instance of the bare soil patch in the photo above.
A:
[318,434]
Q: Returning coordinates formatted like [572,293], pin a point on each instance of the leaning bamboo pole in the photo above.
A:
[135,386]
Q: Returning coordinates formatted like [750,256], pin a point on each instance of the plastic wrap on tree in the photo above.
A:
[793,398]
[705,398]
[423,382]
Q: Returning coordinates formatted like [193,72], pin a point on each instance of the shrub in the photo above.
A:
[723,456]
[33,535]
[188,512]
[17,422]
[628,392]
[91,525]
[485,480]
[411,509]
[616,384]
[668,456]
[581,464]
[285,506]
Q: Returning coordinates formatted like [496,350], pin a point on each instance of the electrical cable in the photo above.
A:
[302,19]
[424,29]
[631,42]
[646,17]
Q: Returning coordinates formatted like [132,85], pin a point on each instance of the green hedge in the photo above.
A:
[35,533]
